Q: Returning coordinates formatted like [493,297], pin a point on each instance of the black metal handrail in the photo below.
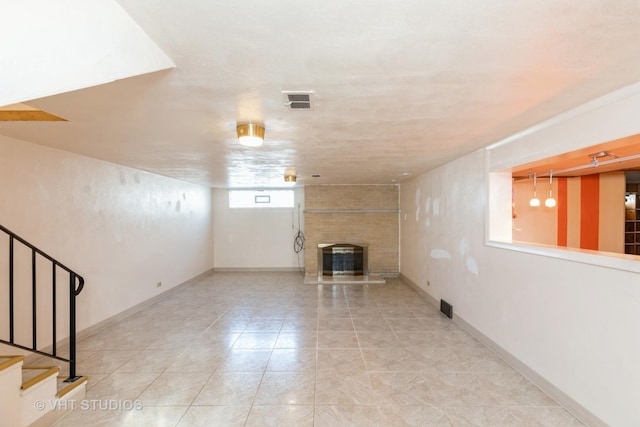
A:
[76,284]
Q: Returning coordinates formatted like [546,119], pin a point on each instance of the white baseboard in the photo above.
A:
[255,269]
[566,401]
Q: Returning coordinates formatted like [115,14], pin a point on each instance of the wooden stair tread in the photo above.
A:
[8,361]
[65,388]
[32,375]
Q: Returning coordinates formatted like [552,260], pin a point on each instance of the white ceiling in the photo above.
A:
[400,87]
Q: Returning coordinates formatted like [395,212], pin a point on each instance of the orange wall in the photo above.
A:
[534,224]
[589,213]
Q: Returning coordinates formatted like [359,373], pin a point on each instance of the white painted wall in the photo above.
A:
[255,238]
[124,230]
[112,47]
[574,322]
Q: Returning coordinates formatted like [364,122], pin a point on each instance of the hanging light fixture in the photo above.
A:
[550,202]
[250,134]
[534,202]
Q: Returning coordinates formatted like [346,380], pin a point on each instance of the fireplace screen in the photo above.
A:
[342,259]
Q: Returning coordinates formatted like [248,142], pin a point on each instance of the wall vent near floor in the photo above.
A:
[446,309]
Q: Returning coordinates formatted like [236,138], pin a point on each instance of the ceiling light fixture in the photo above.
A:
[250,134]
[290,176]
[550,202]
[534,202]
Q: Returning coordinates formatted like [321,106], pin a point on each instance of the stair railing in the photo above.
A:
[76,283]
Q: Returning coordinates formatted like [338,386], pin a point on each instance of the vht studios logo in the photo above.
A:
[88,405]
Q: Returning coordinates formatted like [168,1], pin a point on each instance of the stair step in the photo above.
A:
[8,361]
[32,375]
[66,388]
[31,384]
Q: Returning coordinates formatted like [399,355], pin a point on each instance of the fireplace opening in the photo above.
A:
[342,259]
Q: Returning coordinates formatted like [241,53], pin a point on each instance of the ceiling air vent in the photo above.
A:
[297,100]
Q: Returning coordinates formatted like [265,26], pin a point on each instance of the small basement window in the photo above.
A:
[240,199]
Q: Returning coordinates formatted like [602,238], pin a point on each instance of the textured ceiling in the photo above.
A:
[399,87]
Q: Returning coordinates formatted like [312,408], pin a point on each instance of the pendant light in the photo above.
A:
[534,202]
[550,202]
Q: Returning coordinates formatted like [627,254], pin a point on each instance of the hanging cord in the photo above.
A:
[298,242]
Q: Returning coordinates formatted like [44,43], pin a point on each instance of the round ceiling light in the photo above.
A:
[250,134]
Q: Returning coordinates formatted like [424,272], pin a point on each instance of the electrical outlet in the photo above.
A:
[428,283]
[159,284]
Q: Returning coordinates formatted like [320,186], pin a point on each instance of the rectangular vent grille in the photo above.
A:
[297,100]
[446,309]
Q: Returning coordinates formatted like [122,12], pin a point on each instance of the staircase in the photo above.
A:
[37,317]
[35,396]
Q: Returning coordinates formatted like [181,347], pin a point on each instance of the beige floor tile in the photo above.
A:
[242,360]
[256,340]
[397,388]
[286,388]
[438,360]
[198,359]
[394,359]
[215,416]
[480,360]
[371,324]
[474,416]
[365,312]
[216,338]
[124,386]
[292,360]
[150,361]
[97,418]
[157,416]
[343,388]
[398,312]
[230,388]
[444,390]
[333,313]
[512,389]
[335,324]
[171,389]
[410,324]
[337,340]
[265,349]
[300,324]
[95,379]
[427,340]
[381,339]
[173,340]
[344,360]
[391,416]
[105,361]
[281,416]
[553,416]
[297,339]
[264,325]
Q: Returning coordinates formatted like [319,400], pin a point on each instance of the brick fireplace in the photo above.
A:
[353,214]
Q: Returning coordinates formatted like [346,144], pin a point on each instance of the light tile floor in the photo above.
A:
[264,349]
